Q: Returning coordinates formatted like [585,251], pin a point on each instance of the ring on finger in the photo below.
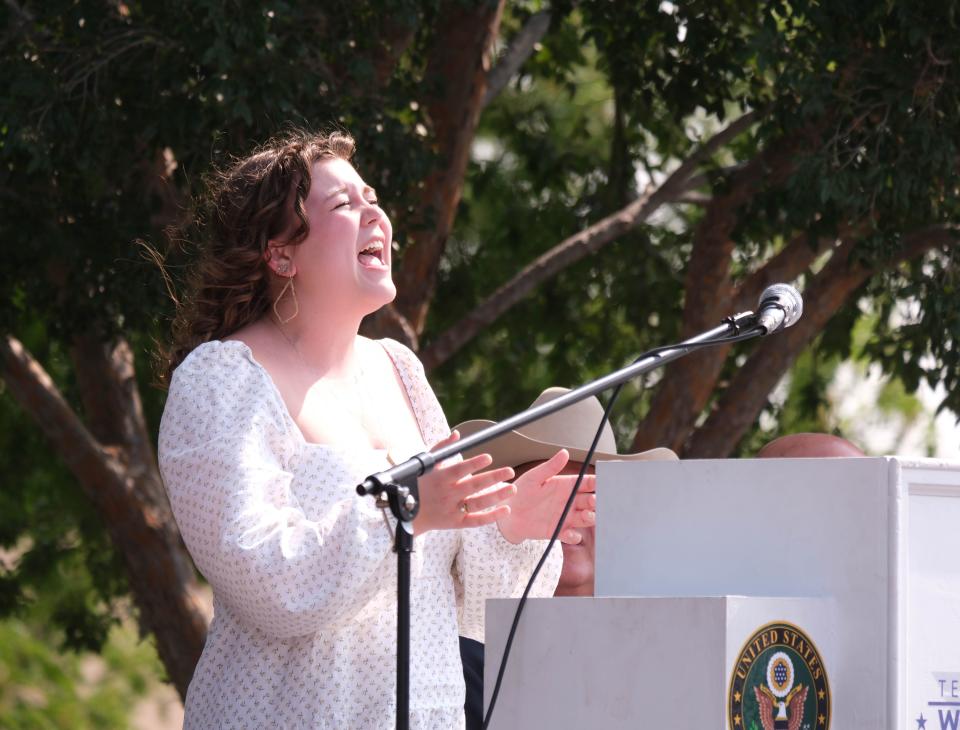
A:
[464,509]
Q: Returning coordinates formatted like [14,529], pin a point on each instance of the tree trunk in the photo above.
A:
[459,62]
[120,477]
[741,402]
[709,296]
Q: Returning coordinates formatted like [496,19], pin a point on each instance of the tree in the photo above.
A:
[775,141]
[818,176]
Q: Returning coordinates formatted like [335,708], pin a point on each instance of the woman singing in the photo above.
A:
[277,408]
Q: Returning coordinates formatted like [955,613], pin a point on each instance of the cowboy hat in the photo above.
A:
[571,428]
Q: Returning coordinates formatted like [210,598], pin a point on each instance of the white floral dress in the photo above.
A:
[302,569]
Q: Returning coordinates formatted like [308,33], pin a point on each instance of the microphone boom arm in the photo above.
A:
[422,463]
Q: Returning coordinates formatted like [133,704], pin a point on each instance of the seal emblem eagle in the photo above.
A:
[779,682]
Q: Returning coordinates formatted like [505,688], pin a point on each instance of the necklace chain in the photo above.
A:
[355,379]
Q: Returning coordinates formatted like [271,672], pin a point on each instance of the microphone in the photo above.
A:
[780,307]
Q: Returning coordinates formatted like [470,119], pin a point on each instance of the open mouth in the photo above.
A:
[372,254]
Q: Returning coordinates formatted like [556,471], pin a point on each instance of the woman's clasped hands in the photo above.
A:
[458,494]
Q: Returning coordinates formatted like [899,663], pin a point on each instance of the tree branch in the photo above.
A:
[388,322]
[770,360]
[575,248]
[709,294]
[785,266]
[701,200]
[128,496]
[35,391]
[23,15]
[21,21]
[394,37]
[111,401]
[521,48]
[740,404]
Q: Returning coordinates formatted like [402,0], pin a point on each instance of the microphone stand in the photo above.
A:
[399,483]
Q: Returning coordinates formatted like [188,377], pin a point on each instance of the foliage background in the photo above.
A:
[842,178]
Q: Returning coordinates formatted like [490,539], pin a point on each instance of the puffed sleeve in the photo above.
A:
[487,565]
[224,449]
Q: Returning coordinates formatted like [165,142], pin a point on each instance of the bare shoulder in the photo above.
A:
[261,338]
[374,356]
[379,367]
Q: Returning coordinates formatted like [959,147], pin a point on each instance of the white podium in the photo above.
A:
[735,593]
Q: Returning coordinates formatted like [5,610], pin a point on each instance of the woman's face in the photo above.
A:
[345,259]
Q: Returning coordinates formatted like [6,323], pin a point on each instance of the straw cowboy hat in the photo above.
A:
[572,428]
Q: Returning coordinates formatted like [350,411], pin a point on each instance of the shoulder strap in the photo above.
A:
[426,407]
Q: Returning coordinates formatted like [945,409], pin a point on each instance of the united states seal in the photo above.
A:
[779,682]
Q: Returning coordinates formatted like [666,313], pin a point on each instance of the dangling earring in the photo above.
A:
[282,269]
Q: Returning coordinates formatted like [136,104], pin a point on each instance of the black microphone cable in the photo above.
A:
[747,335]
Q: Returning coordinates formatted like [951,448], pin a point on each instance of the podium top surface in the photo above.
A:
[767,527]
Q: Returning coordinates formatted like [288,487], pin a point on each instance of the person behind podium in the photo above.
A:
[809,445]
[527,448]
[276,409]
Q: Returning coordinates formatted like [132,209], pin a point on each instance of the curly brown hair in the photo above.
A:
[255,200]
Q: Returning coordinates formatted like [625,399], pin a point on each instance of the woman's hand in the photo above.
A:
[455,495]
[541,495]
